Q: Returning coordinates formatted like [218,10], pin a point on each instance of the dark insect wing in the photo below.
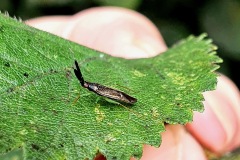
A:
[112,93]
[103,90]
[130,99]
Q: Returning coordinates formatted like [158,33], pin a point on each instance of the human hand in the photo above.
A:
[125,33]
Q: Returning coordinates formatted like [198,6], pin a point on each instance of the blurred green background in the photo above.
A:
[176,19]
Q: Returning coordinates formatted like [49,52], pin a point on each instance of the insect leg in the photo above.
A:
[76,99]
[130,110]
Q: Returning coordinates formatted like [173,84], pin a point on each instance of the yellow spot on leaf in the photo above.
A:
[154,112]
[23,132]
[138,73]
[100,114]
[109,138]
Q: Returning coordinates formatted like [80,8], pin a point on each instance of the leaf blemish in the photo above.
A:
[8,149]
[35,147]
[26,75]
[7,64]
[109,138]
[54,112]
[9,90]
[100,114]
[154,112]
[68,74]
[146,126]
[53,71]
[138,73]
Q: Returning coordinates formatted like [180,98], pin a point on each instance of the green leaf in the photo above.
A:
[39,89]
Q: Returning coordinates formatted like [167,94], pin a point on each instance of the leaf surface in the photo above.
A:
[38,90]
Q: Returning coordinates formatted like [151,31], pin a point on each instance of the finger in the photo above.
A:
[119,32]
[176,144]
[217,128]
[51,24]
[231,93]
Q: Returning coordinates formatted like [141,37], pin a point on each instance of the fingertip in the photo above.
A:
[51,24]
[218,127]
[231,94]
[207,129]
[176,144]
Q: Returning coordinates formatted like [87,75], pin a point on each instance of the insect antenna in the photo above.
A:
[78,74]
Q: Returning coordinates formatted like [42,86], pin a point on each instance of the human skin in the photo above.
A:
[125,33]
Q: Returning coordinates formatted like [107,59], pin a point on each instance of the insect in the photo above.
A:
[102,90]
